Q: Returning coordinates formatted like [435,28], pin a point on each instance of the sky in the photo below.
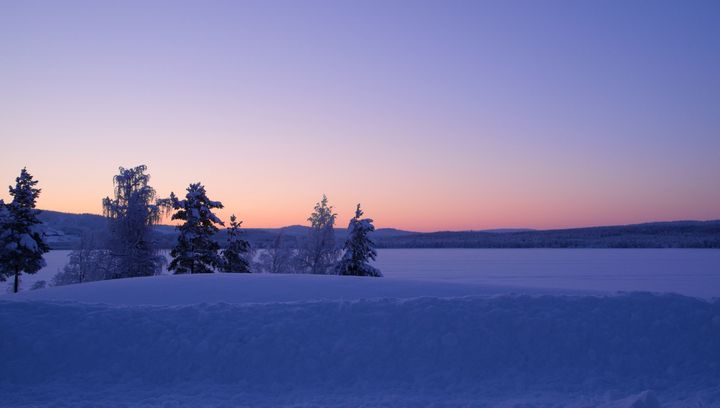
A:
[435,115]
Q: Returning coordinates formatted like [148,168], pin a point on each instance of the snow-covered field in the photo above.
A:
[412,339]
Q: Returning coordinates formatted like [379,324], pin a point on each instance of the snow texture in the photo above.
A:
[261,349]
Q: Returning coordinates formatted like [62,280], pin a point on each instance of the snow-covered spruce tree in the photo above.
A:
[359,249]
[4,221]
[319,252]
[195,252]
[235,256]
[131,213]
[21,238]
[5,244]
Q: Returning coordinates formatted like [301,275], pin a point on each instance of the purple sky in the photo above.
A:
[434,115]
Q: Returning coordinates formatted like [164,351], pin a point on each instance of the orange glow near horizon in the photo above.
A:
[404,207]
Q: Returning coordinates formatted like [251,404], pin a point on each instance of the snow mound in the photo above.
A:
[646,399]
[257,288]
[495,351]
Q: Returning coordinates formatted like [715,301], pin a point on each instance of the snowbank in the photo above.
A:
[257,288]
[502,350]
[691,272]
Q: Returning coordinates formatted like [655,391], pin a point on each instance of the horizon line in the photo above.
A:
[519,229]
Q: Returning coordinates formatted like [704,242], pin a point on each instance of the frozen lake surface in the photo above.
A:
[694,272]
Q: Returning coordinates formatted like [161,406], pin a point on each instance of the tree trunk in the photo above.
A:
[17,280]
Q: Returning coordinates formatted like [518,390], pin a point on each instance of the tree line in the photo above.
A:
[127,249]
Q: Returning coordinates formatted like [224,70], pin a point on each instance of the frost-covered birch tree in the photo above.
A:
[195,251]
[85,264]
[235,256]
[318,253]
[21,240]
[359,249]
[277,257]
[132,212]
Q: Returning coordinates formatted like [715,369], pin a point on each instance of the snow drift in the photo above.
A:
[541,350]
[259,288]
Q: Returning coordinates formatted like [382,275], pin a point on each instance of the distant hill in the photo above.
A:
[302,231]
[64,231]
[675,234]
[73,224]
[507,230]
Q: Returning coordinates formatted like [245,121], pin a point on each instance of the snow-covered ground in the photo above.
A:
[444,328]
[171,290]
[693,272]
[234,340]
